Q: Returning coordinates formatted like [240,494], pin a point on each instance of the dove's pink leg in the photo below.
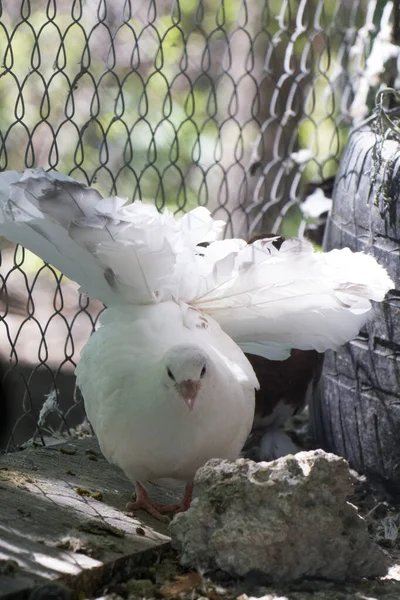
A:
[187,498]
[158,511]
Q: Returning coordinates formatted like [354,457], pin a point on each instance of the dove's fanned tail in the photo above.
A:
[267,300]
[270,300]
[117,253]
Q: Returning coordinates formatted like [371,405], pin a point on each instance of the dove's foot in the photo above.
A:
[187,498]
[158,511]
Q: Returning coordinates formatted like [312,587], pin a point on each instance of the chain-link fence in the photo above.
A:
[237,105]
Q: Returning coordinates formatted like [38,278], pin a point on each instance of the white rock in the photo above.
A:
[250,517]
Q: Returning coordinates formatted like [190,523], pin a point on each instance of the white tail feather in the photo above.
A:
[116,253]
[268,301]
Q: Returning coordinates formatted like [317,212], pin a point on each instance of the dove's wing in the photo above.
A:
[267,300]
[270,300]
[116,253]
[37,211]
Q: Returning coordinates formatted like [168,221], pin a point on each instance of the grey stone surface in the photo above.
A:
[288,519]
[63,519]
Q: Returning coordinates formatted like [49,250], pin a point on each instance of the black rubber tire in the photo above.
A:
[358,414]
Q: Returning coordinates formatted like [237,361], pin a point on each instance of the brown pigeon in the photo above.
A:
[286,386]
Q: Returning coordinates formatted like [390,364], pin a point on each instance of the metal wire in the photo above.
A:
[235,105]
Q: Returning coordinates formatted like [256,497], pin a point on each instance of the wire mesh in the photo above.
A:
[235,105]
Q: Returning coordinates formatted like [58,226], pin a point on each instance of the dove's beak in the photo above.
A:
[189,390]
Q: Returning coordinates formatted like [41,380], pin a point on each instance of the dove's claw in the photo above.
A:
[187,497]
[158,511]
[143,502]
[148,507]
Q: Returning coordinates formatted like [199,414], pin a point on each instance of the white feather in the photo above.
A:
[117,253]
[268,301]
[292,298]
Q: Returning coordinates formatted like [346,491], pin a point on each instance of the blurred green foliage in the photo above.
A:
[162,102]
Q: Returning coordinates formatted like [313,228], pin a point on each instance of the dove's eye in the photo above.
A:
[170,375]
[203,371]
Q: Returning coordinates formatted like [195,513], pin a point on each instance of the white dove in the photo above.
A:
[165,384]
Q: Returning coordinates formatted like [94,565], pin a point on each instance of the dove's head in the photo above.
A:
[185,371]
